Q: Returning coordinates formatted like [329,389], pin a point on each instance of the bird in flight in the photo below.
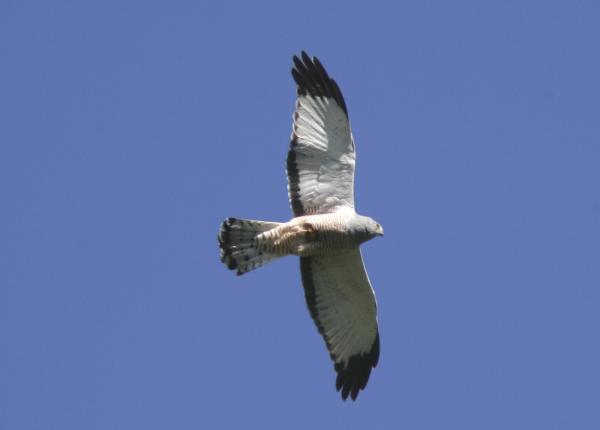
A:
[325,232]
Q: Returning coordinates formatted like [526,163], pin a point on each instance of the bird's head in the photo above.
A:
[376,228]
[368,228]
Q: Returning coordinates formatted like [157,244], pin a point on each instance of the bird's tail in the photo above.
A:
[239,250]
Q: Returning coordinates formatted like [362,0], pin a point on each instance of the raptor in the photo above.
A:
[325,232]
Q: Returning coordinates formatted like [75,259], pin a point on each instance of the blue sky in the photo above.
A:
[131,129]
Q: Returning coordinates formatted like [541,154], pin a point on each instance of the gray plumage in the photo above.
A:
[326,232]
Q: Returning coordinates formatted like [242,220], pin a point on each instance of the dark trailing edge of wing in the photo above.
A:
[294,181]
[354,376]
[312,79]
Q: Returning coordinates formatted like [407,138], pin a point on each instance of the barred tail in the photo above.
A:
[238,245]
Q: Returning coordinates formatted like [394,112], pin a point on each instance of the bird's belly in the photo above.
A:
[308,236]
[321,243]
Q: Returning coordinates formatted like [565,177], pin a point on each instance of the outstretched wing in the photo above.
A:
[342,304]
[320,162]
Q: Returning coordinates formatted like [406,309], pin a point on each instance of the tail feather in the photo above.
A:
[237,240]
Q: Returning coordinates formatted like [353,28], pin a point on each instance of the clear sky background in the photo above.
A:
[130,129]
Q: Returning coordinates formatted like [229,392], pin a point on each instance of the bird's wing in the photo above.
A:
[320,162]
[342,304]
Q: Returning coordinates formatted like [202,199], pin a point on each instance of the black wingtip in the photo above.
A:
[312,78]
[354,376]
[305,57]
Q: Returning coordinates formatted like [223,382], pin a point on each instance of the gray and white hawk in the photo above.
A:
[326,232]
